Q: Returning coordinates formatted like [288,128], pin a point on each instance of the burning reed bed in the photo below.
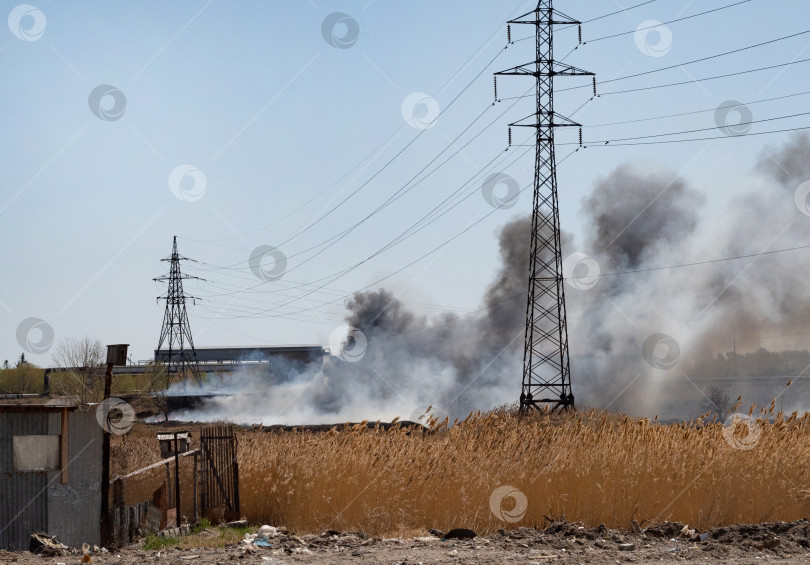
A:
[592,467]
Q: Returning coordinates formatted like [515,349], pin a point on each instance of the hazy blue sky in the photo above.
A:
[254,97]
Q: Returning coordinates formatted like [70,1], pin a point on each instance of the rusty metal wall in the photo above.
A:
[82,495]
[23,496]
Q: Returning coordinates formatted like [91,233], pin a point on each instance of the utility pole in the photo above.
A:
[546,366]
[176,331]
[116,355]
[734,346]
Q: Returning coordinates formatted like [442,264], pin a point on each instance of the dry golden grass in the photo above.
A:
[594,467]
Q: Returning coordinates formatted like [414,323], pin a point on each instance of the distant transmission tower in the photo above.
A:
[546,367]
[176,332]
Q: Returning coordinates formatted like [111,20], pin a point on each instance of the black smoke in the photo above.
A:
[638,219]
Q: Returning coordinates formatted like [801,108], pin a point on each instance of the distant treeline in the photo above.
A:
[759,363]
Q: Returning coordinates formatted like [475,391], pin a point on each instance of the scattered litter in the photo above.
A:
[267,532]
[47,546]
[627,546]
[687,532]
[262,542]
[237,523]
[174,532]
[769,543]
[453,553]
[460,533]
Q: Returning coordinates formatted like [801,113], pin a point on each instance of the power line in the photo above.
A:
[402,190]
[606,141]
[358,189]
[665,23]
[715,77]
[413,229]
[681,83]
[681,114]
[693,61]
[696,263]
[634,271]
[786,130]
[331,241]
[597,18]
[618,11]
[416,227]
[708,58]
[698,60]
[381,145]
[420,258]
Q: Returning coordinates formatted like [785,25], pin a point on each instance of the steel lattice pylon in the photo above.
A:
[546,367]
[176,331]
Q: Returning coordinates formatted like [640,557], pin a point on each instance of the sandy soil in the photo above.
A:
[783,542]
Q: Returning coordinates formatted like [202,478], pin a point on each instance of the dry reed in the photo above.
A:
[594,467]
[591,467]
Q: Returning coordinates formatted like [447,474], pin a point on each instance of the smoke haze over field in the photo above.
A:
[637,218]
[642,221]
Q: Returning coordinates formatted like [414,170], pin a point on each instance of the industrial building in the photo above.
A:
[304,354]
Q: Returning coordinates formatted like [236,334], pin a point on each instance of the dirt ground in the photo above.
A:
[783,542]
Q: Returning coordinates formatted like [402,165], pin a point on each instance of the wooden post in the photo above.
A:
[196,513]
[105,468]
[168,486]
[118,510]
[235,446]
[64,446]
[176,482]
[116,355]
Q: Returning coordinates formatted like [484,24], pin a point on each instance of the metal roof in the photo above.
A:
[170,436]
[36,407]
[256,347]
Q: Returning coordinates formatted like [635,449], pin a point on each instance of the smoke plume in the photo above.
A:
[642,338]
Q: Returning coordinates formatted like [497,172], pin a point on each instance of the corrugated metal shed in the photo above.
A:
[74,509]
[23,497]
[36,500]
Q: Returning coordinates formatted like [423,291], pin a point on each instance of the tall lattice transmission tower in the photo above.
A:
[546,366]
[179,356]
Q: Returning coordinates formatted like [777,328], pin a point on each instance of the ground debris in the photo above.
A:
[47,546]
[460,533]
[783,542]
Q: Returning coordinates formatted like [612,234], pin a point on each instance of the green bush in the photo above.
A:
[25,379]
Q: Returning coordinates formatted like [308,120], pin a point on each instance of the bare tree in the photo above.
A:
[157,388]
[717,401]
[82,361]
